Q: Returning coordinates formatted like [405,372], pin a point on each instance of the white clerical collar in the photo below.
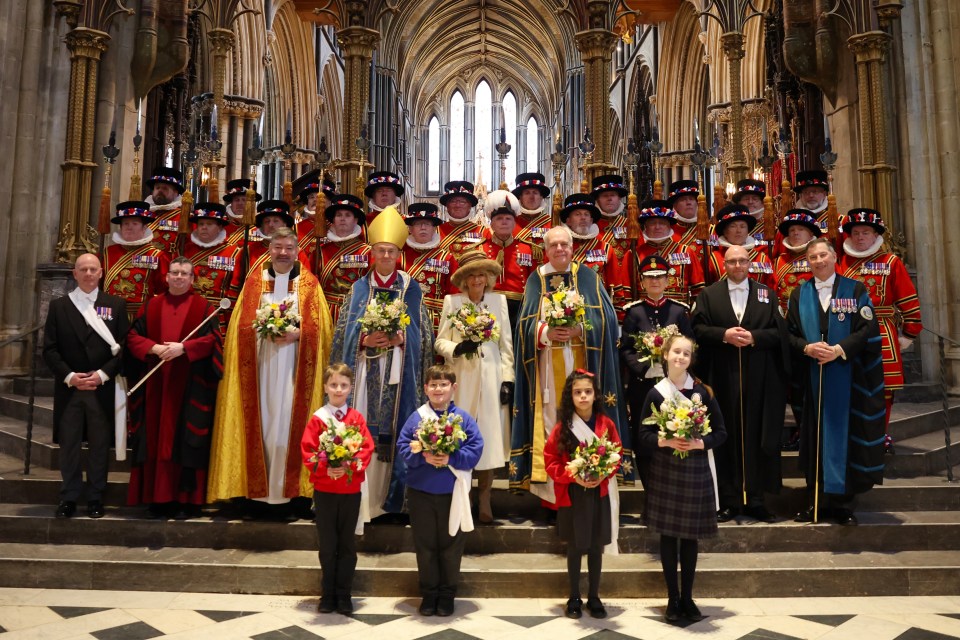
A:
[869,251]
[589,235]
[613,214]
[333,237]
[432,243]
[132,243]
[206,245]
[748,244]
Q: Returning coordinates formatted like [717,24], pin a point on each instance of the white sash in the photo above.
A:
[96,323]
[667,389]
[583,433]
[460,516]
[327,417]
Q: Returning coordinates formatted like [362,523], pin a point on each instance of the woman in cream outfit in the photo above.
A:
[486,377]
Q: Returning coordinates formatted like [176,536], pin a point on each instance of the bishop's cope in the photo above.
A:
[389,367]
[271,386]
[546,355]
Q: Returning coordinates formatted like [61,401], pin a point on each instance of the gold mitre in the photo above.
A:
[388,227]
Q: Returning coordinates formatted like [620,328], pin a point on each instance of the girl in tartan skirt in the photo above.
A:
[682,501]
[585,519]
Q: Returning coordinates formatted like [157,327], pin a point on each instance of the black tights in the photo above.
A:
[594,565]
[688,565]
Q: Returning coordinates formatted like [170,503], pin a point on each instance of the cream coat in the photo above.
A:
[479,378]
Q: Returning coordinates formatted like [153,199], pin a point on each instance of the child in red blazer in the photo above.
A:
[336,494]
[585,519]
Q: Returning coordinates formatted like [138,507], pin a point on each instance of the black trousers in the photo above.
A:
[336,521]
[83,409]
[438,554]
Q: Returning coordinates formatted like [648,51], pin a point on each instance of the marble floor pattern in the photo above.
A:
[51,614]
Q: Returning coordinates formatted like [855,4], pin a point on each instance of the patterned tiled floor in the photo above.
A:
[116,615]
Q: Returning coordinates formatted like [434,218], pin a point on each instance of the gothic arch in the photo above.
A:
[680,80]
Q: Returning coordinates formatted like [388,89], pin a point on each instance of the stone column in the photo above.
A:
[732,43]
[444,155]
[221,42]
[76,234]
[469,148]
[596,49]
[357,45]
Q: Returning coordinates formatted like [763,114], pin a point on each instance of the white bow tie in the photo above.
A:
[823,285]
[743,286]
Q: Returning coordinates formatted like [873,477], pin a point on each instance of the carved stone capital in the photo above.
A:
[221,41]
[870,46]
[86,43]
[358,42]
[888,10]
[732,43]
[69,10]
[595,43]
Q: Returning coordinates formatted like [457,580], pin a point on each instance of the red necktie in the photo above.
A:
[339,414]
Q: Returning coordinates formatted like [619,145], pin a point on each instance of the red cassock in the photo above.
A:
[172,413]
[891,291]
[760,269]
[135,274]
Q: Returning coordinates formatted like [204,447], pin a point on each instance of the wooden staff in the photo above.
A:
[816,477]
[224,304]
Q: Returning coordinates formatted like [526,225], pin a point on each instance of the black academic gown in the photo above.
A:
[750,386]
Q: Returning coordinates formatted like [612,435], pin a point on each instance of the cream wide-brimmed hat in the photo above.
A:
[476,261]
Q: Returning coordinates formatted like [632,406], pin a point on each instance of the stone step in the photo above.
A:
[21,386]
[744,575]
[878,531]
[16,406]
[923,455]
[920,392]
[43,453]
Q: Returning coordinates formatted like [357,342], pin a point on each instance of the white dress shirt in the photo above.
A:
[825,290]
[738,296]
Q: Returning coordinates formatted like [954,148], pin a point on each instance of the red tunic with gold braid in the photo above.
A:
[217,274]
[135,274]
[235,235]
[341,264]
[432,268]
[596,254]
[531,228]
[519,259]
[685,279]
[761,269]
[892,292]
[613,232]
[790,270]
[165,226]
[457,236]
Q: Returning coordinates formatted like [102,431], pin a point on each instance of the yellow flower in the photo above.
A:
[340,451]
[682,413]
[471,319]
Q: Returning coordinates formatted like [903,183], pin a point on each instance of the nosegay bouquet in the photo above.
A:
[649,346]
[566,308]
[475,324]
[680,417]
[275,319]
[594,460]
[439,435]
[385,314]
[338,446]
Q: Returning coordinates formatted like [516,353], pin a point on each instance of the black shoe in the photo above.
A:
[445,606]
[574,608]
[845,518]
[328,604]
[344,605]
[690,611]
[672,614]
[804,516]
[187,512]
[95,509]
[66,509]
[428,606]
[726,514]
[759,513]
[596,608]
[156,511]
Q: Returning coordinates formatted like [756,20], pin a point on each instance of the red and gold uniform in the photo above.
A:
[532,225]
[134,272]
[432,268]
[685,276]
[379,179]
[518,258]
[341,263]
[457,236]
[166,226]
[891,291]
[790,270]
[216,265]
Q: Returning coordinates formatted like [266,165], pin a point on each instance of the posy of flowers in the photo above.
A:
[680,417]
[275,319]
[475,323]
[566,308]
[386,314]
[338,447]
[439,435]
[649,344]
[594,460]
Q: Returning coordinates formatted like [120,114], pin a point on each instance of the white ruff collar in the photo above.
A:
[748,245]
[615,213]
[820,209]
[533,213]
[792,249]
[589,235]
[690,221]
[310,213]
[132,243]
[429,244]
[650,240]
[332,237]
[758,214]
[874,248]
[206,245]
[162,207]
[374,207]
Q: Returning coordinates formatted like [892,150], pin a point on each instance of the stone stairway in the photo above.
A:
[908,542]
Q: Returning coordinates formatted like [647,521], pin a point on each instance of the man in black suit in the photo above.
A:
[82,344]
[742,342]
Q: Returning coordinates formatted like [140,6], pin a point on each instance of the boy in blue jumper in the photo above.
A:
[438,494]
